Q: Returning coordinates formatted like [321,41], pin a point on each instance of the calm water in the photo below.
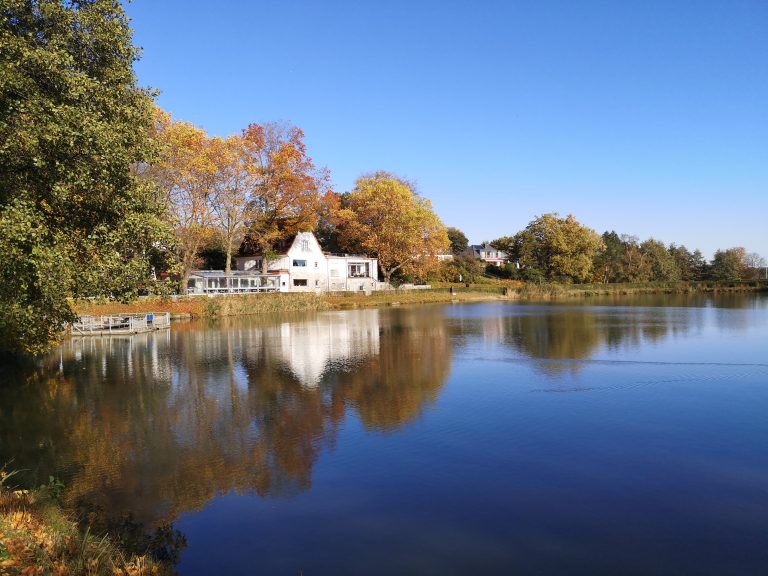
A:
[491,438]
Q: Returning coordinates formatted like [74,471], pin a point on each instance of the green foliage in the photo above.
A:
[560,248]
[505,272]
[607,267]
[625,259]
[729,265]
[462,268]
[458,240]
[53,489]
[74,220]
[661,263]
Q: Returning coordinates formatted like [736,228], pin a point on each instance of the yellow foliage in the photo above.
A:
[386,218]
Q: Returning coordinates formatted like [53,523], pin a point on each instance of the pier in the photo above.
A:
[120,324]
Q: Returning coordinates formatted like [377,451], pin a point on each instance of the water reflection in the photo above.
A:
[156,424]
[560,337]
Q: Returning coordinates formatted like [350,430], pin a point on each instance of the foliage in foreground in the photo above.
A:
[74,220]
[37,537]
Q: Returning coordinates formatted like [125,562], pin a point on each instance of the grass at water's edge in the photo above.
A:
[247,304]
[37,536]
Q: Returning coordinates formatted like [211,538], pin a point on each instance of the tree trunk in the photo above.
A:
[264,260]
[228,265]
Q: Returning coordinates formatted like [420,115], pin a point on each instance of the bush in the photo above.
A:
[506,272]
[461,268]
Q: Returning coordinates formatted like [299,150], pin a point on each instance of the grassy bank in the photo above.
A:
[38,537]
[550,291]
[247,304]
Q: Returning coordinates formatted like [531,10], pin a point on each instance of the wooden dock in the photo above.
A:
[120,324]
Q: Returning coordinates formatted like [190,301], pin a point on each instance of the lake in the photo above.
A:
[607,437]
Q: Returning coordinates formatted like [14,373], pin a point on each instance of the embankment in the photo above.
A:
[37,536]
[247,304]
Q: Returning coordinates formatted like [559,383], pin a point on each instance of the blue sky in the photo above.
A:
[647,117]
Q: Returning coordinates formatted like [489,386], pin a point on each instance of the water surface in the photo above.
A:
[617,437]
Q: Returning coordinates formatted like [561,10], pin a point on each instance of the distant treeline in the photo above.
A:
[558,249]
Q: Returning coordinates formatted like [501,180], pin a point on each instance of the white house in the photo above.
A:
[309,269]
[488,253]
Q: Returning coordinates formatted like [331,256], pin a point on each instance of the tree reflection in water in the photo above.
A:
[558,337]
[143,428]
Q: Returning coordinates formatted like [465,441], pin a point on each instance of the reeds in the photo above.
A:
[247,304]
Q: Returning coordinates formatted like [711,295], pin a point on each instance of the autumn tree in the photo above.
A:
[386,218]
[187,170]
[232,200]
[560,248]
[288,192]
[74,218]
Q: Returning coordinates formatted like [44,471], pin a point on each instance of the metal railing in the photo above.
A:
[121,323]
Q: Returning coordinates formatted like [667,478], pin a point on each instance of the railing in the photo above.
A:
[237,283]
[121,323]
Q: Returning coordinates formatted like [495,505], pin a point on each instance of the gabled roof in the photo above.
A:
[486,247]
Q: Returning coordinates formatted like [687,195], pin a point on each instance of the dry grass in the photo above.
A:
[37,537]
[247,304]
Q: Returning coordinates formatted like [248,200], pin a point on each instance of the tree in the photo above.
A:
[661,261]
[459,242]
[288,192]
[74,218]
[636,267]
[607,265]
[683,261]
[385,217]
[187,170]
[460,268]
[729,265]
[232,199]
[560,248]
[755,265]
[698,266]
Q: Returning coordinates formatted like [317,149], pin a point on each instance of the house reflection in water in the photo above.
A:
[156,424]
[332,340]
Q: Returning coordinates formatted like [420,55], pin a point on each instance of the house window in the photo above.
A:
[334,273]
[299,262]
[317,282]
[315,264]
[359,270]
[305,245]
[300,282]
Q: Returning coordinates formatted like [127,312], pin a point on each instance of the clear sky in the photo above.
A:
[649,117]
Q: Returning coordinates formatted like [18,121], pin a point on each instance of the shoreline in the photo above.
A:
[187,307]
[38,534]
